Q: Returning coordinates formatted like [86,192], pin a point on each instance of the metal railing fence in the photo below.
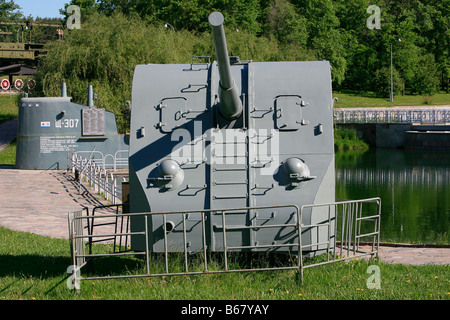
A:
[118,161]
[344,226]
[430,115]
[354,220]
[92,170]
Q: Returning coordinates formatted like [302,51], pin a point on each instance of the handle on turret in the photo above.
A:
[230,103]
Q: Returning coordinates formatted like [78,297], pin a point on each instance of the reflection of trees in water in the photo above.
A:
[422,177]
[414,189]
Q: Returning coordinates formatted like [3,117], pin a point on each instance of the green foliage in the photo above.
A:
[9,107]
[347,139]
[42,34]
[8,10]
[183,14]
[104,53]
[8,154]
[116,35]
[106,50]
[284,23]
[382,82]
[426,80]
[87,7]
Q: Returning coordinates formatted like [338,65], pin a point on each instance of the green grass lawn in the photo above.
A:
[353,99]
[8,155]
[8,110]
[35,268]
[9,107]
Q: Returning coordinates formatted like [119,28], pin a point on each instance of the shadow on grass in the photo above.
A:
[57,269]
[7,117]
[176,263]
[33,266]
[54,269]
[36,266]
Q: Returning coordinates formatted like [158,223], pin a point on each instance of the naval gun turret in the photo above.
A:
[254,139]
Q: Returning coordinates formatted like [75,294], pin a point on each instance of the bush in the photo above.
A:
[426,80]
[345,139]
[382,82]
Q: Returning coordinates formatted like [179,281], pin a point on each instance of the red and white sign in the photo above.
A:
[31,84]
[18,84]
[5,84]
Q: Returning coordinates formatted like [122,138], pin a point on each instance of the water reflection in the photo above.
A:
[413,186]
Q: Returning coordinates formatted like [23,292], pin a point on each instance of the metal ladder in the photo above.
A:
[229,185]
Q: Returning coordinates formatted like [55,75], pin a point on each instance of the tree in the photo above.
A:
[415,22]
[87,7]
[324,35]
[282,21]
[8,10]
[106,50]
[382,82]
[188,14]
[333,30]
[434,24]
[426,79]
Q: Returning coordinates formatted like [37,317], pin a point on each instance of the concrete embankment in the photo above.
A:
[407,136]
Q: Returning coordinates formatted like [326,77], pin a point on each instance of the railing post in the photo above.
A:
[166,257]
[147,252]
[300,248]
[185,243]
[204,241]
[224,241]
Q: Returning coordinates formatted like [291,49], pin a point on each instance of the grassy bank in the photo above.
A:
[34,268]
[347,139]
[8,155]
[9,107]
[355,99]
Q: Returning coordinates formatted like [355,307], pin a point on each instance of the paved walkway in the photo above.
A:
[39,201]
[414,256]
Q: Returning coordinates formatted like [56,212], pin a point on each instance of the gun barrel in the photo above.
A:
[230,102]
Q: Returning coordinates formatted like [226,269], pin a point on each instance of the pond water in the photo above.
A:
[414,188]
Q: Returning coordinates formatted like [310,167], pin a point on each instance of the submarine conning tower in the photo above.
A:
[52,129]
